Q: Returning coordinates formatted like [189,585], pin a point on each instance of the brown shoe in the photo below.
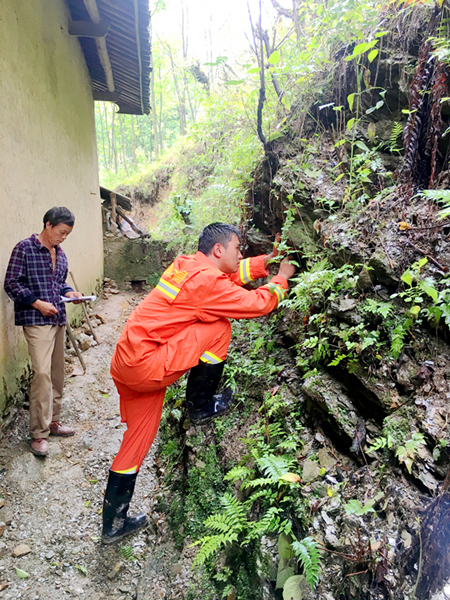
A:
[39,447]
[61,430]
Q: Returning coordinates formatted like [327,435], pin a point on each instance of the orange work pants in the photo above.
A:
[142,399]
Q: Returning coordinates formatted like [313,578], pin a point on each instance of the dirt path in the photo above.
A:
[52,506]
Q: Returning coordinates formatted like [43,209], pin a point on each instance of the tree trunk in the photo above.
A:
[124,159]
[262,87]
[108,164]
[155,121]
[133,142]
[103,135]
[184,22]
[113,137]
[178,92]
[161,146]
[265,37]
[298,33]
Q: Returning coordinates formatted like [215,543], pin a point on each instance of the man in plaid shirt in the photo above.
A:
[35,280]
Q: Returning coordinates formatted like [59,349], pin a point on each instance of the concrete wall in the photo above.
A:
[140,259]
[48,154]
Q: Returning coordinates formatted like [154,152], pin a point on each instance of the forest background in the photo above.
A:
[205,84]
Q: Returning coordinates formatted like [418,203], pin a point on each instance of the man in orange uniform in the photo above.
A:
[182,325]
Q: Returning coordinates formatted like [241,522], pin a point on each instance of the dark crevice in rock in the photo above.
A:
[368,403]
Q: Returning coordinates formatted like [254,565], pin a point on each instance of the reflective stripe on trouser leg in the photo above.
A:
[210,358]
[142,412]
[214,339]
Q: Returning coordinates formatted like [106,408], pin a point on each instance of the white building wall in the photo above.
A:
[48,154]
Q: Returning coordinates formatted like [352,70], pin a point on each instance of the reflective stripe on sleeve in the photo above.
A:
[167,288]
[244,271]
[279,293]
[209,357]
[278,290]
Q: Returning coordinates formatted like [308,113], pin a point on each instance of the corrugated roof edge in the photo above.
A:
[132,73]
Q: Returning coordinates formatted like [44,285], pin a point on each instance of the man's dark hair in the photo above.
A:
[59,214]
[216,233]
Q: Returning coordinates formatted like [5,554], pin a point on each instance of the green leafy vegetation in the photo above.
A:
[218,509]
[354,507]
[266,476]
[308,554]
[127,552]
[405,451]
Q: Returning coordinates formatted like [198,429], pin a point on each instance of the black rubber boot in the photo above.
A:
[116,524]
[202,401]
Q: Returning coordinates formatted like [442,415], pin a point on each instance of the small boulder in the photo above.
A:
[21,550]
[311,471]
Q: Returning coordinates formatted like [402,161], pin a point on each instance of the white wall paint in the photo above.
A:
[48,153]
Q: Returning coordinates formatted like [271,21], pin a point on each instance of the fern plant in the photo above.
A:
[238,472]
[128,553]
[267,474]
[440,196]
[320,285]
[406,453]
[441,45]
[275,467]
[233,525]
[228,525]
[307,552]
[396,133]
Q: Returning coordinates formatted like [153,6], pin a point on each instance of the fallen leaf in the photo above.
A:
[22,574]
[292,477]
[403,226]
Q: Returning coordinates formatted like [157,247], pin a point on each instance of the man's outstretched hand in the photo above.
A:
[269,257]
[286,270]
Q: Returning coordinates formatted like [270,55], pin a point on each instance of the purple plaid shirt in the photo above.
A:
[30,276]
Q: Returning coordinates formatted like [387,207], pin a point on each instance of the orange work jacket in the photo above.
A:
[194,289]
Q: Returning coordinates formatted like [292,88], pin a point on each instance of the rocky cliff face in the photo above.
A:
[353,384]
